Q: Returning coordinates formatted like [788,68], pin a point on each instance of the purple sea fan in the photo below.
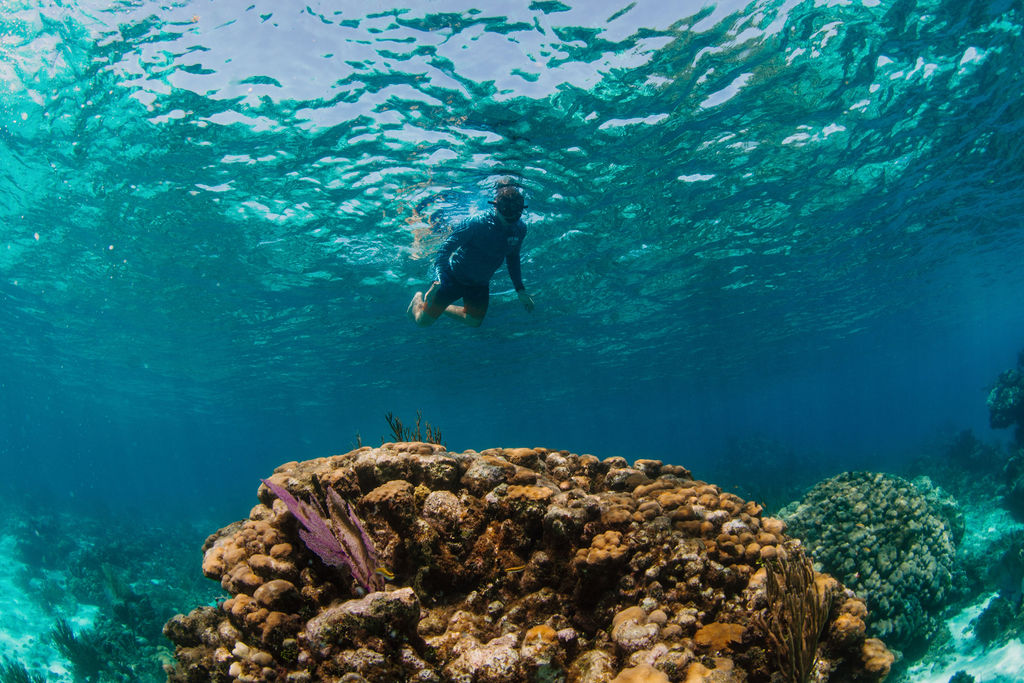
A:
[339,539]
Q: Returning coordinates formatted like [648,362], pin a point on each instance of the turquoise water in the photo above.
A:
[793,218]
[796,218]
[792,221]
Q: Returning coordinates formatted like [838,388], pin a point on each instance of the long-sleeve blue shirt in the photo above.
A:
[477,247]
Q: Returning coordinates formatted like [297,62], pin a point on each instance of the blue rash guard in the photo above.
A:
[476,249]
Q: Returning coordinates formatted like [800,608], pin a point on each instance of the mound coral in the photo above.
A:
[1006,409]
[1006,399]
[891,540]
[507,565]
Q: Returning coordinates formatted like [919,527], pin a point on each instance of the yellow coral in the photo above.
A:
[724,672]
[718,635]
[540,632]
[530,493]
[641,674]
[876,657]
[848,628]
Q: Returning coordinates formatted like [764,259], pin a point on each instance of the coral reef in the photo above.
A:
[996,622]
[96,591]
[1006,409]
[961,677]
[1006,399]
[84,651]
[506,565]
[1013,484]
[16,672]
[1003,616]
[893,541]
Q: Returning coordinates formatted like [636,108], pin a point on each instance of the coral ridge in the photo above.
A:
[507,565]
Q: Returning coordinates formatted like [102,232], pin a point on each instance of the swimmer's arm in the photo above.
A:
[515,272]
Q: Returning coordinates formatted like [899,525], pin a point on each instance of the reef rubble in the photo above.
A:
[514,564]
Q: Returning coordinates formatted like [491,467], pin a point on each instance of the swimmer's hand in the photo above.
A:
[526,299]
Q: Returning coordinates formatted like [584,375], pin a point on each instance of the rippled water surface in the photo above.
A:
[795,215]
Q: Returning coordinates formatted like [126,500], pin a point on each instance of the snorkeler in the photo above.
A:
[470,257]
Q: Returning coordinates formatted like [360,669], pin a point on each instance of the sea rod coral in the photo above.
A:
[798,610]
[509,565]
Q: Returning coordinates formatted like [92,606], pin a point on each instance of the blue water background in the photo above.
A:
[791,221]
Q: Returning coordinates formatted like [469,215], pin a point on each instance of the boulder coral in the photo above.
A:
[1006,399]
[1006,409]
[507,565]
[892,541]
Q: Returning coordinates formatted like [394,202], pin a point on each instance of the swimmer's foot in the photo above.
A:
[414,305]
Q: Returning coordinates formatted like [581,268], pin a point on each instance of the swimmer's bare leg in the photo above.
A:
[422,311]
[467,315]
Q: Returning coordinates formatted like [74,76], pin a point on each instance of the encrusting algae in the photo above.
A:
[508,565]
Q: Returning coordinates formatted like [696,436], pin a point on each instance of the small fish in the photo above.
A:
[516,569]
[385,572]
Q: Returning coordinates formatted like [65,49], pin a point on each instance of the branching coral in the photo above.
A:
[797,613]
[89,652]
[424,432]
[15,672]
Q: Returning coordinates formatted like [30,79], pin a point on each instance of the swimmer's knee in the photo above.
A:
[428,314]
[475,314]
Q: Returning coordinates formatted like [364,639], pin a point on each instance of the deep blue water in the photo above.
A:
[795,221]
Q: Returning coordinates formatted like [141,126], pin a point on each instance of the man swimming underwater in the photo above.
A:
[470,257]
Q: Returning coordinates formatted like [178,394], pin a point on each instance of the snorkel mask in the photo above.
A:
[509,203]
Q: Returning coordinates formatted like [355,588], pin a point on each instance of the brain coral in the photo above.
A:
[507,565]
[892,541]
